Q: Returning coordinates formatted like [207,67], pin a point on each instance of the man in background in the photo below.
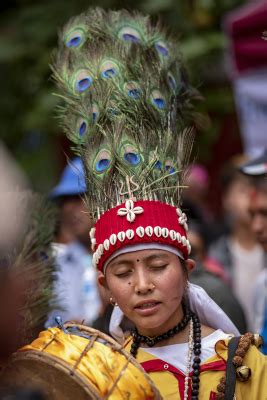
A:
[238,251]
[257,171]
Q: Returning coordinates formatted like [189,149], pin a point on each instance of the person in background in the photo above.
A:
[76,285]
[238,251]
[209,276]
[257,170]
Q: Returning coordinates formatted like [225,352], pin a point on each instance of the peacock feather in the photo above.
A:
[32,264]
[126,106]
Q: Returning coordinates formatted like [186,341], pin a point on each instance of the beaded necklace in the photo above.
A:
[194,344]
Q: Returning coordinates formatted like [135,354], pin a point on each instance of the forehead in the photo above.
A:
[258,199]
[143,256]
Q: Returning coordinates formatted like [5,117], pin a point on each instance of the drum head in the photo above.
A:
[44,372]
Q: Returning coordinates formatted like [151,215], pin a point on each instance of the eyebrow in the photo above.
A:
[128,262]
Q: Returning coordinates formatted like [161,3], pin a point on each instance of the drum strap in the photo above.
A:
[230,369]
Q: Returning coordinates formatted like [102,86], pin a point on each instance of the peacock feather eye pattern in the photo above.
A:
[109,69]
[131,155]
[158,165]
[162,48]
[130,34]
[169,167]
[82,81]
[102,161]
[75,38]
[82,126]
[133,90]
[158,100]
[95,113]
[172,82]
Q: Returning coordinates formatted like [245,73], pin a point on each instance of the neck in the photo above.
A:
[172,329]
[244,237]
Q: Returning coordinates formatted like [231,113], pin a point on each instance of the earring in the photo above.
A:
[112,302]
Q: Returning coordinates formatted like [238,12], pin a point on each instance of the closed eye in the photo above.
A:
[158,267]
[123,274]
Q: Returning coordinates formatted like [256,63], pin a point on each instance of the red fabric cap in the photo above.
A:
[113,232]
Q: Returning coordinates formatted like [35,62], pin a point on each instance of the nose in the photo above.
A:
[143,284]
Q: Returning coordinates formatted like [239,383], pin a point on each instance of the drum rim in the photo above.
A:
[53,360]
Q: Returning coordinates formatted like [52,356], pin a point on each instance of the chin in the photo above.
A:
[150,324]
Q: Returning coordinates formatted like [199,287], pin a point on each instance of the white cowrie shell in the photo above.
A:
[178,237]
[149,230]
[98,254]
[101,249]
[121,235]
[106,244]
[179,212]
[173,235]
[129,204]
[189,248]
[165,232]
[140,231]
[157,231]
[92,233]
[93,243]
[130,216]
[113,239]
[184,241]
[138,210]
[122,212]
[129,233]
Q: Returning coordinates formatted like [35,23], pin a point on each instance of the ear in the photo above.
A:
[102,280]
[190,265]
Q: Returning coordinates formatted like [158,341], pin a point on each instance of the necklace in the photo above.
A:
[194,344]
[189,359]
[151,341]
[196,359]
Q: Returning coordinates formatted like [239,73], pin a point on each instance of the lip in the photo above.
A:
[148,310]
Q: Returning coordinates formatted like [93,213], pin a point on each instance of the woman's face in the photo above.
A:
[148,286]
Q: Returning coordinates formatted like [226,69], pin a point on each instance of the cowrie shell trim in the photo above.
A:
[157,231]
[149,231]
[129,234]
[140,231]
[121,236]
[113,239]
[106,244]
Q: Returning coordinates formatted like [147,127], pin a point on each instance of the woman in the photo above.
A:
[128,111]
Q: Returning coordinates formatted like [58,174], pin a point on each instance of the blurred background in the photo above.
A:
[28,123]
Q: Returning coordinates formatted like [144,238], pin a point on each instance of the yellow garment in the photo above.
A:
[171,386]
[100,364]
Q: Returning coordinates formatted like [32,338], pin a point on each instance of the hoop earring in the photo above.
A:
[112,302]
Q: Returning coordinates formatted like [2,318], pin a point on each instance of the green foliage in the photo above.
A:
[29,34]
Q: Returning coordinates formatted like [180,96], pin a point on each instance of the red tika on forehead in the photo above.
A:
[139,222]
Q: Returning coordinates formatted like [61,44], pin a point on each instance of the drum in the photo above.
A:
[78,363]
